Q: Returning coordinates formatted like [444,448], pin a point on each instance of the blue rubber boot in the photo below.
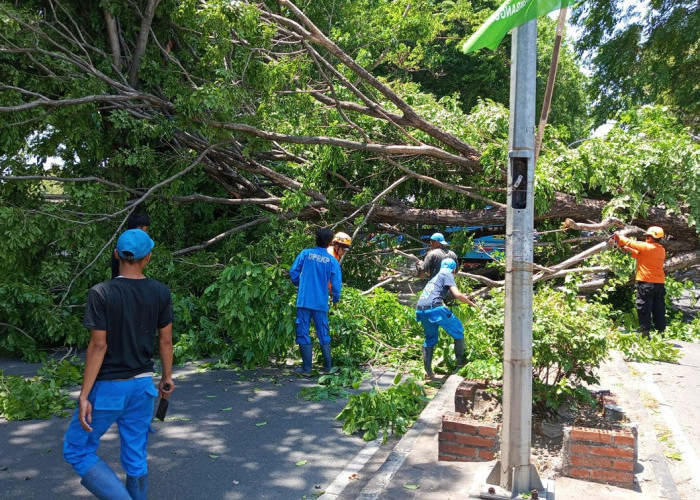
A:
[101,481]
[327,362]
[137,486]
[306,355]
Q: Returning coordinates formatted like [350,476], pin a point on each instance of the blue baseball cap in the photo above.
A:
[134,244]
[439,238]
[448,265]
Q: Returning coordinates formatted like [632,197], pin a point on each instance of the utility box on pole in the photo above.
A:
[514,472]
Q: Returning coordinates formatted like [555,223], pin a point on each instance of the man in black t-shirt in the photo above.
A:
[124,315]
[431,263]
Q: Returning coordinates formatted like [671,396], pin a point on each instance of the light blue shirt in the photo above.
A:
[311,271]
[437,289]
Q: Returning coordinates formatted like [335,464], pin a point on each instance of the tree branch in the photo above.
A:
[315,35]
[52,178]
[146,21]
[20,331]
[113,36]
[605,224]
[132,208]
[44,102]
[386,149]
[222,236]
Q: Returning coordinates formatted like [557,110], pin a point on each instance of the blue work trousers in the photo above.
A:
[129,403]
[441,316]
[303,324]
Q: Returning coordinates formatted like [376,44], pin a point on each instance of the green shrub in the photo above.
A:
[483,338]
[635,348]
[333,385]
[30,322]
[195,333]
[23,399]
[569,342]
[248,315]
[374,327]
[254,312]
[65,373]
[41,396]
[688,331]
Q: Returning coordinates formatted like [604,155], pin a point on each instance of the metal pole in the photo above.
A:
[517,352]
[515,473]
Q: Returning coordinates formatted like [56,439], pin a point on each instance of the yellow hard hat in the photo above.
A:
[342,238]
[655,232]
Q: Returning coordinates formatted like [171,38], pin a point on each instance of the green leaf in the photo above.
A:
[260,424]
[411,486]
[301,462]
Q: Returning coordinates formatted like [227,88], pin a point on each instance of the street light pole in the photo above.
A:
[514,472]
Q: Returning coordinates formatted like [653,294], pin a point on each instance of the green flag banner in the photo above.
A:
[510,14]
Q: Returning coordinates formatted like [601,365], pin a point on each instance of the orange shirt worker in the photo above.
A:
[651,291]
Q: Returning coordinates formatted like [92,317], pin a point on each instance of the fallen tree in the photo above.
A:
[246,157]
[239,126]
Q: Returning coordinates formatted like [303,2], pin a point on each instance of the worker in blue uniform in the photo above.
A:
[313,269]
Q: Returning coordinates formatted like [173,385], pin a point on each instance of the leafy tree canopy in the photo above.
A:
[642,53]
[239,127]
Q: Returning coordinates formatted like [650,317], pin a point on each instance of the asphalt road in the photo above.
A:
[237,434]
[227,435]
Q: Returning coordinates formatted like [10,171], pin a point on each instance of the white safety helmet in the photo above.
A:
[343,239]
[655,232]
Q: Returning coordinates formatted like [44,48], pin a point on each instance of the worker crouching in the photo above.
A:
[432,313]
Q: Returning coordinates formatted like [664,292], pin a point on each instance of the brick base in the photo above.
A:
[464,440]
[601,456]
[465,394]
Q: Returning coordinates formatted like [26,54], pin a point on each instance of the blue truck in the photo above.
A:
[484,249]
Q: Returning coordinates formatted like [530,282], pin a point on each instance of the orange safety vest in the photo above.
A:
[331,250]
[650,259]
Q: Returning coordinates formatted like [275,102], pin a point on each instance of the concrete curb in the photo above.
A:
[431,415]
[647,435]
